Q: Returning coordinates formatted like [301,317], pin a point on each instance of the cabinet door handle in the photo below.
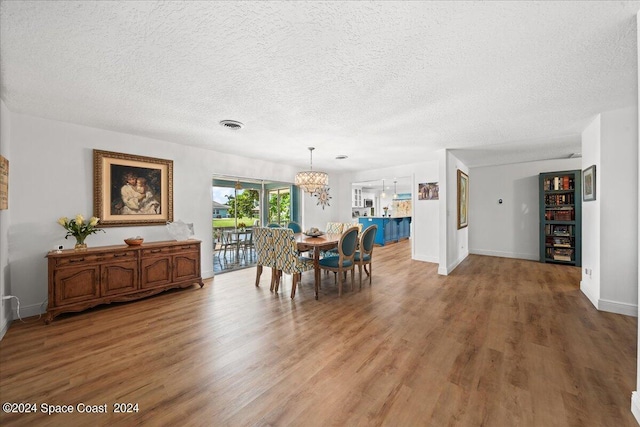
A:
[119,255]
[76,260]
[155,251]
[186,247]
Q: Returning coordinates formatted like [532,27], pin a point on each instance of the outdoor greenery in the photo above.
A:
[279,210]
[231,222]
[245,202]
[245,205]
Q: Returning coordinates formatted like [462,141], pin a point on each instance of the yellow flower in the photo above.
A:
[93,221]
[63,220]
[79,219]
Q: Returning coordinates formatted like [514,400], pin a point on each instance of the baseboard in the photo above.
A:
[618,307]
[4,329]
[444,271]
[635,405]
[27,310]
[426,258]
[590,296]
[530,257]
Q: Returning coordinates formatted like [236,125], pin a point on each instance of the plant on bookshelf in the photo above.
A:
[560,217]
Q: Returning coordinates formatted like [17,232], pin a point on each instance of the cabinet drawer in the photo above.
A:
[156,251]
[174,249]
[83,259]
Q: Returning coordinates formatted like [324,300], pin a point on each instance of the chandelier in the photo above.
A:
[311,181]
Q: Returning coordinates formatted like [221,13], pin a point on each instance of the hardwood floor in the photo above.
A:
[500,342]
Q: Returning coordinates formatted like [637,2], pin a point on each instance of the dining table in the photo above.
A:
[316,244]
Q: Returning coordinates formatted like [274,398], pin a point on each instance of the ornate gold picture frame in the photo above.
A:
[463,199]
[132,190]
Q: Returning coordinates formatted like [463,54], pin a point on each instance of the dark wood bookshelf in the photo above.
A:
[561,217]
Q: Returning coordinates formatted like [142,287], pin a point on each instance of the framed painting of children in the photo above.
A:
[132,190]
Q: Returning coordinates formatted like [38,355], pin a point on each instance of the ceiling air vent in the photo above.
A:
[231,124]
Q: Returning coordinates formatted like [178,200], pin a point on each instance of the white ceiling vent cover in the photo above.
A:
[231,124]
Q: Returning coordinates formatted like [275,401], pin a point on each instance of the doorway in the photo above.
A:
[238,205]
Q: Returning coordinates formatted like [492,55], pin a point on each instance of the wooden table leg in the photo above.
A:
[316,268]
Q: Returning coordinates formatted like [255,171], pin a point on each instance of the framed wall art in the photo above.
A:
[132,190]
[463,199]
[323,196]
[589,183]
[428,191]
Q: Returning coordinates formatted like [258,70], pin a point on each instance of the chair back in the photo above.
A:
[355,224]
[273,225]
[295,227]
[367,238]
[264,247]
[286,251]
[347,244]
[334,228]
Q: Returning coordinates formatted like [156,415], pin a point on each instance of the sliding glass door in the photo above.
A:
[280,206]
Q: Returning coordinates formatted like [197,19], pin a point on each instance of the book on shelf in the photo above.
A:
[562,254]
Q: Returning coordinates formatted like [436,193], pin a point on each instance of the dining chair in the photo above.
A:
[265,254]
[217,242]
[364,254]
[229,242]
[334,228]
[343,262]
[273,225]
[246,244]
[295,227]
[288,260]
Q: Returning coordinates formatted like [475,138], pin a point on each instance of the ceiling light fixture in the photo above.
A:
[311,181]
[231,124]
[383,195]
[395,189]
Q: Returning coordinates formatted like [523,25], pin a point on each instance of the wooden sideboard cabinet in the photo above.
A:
[82,279]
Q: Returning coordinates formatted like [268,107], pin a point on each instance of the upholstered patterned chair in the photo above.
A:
[364,254]
[265,253]
[288,260]
[334,228]
[343,262]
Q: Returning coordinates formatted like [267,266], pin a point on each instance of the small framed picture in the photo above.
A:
[589,183]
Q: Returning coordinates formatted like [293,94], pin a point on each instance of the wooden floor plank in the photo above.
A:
[499,342]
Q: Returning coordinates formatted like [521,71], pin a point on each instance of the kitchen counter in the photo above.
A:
[390,229]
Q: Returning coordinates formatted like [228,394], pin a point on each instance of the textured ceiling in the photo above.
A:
[385,83]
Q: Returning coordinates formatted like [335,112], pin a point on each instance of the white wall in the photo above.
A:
[619,211]
[635,398]
[590,283]
[456,246]
[5,306]
[610,223]
[510,229]
[426,240]
[52,176]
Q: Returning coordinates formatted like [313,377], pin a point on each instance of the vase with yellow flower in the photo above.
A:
[80,229]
